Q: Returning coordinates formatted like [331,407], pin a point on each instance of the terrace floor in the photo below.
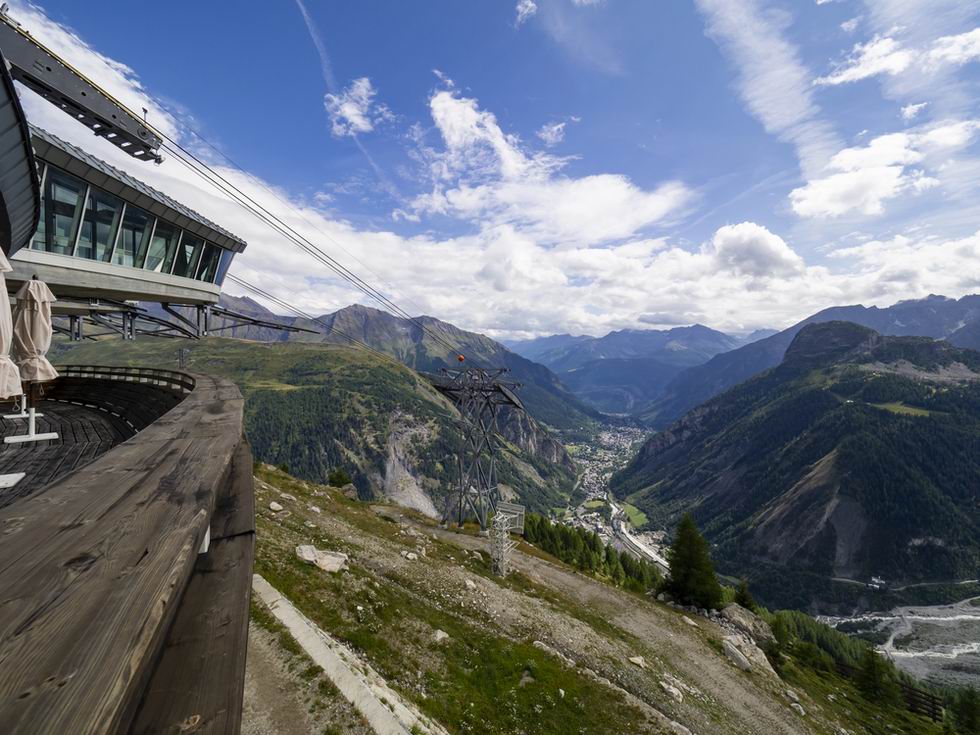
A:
[84,433]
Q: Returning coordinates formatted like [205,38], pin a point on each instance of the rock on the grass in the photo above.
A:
[328,561]
[440,636]
[470,584]
[314,509]
[798,708]
[792,696]
[639,661]
[287,496]
[673,691]
[690,622]
[749,623]
[678,729]
[410,555]
[275,507]
[350,491]
[735,656]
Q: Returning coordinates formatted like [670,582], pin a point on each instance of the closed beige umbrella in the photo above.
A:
[32,338]
[9,374]
[32,331]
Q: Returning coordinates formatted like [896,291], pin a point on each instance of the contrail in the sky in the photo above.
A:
[330,81]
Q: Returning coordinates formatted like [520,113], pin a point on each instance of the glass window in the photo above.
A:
[209,263]
[133,236]
[63,196]
[188,253]
[163,244]
[98,226]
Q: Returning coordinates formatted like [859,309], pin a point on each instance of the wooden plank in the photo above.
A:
[234,508]
[198,685]
[92,568]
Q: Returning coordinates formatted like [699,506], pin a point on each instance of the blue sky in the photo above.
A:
[544,166]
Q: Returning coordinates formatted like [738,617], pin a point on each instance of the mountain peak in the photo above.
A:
[828,342]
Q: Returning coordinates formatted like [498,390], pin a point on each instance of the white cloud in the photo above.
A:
[957,50]
[525,9]
[880,55]
[862,178]
[485,176]
[887,56]
[911,111]
[849,26]
[552,133]
[773,82]
[751,249]
[354,111]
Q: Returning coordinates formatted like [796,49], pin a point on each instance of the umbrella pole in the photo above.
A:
[31,435]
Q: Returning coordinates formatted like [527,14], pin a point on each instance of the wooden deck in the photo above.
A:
[110,619]
[84,433]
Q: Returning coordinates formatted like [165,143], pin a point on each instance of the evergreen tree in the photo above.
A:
[692,578]
[875,680]
[966,712]
[743,597]
[338,478]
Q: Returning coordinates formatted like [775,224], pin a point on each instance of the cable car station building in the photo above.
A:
[126,547]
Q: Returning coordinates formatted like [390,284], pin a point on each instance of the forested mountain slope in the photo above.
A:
[318,407]
[859,455]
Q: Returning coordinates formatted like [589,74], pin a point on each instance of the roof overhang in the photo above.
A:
[100,174]
[20,196]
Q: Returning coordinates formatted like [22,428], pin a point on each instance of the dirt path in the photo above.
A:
[279,702]
[663,631]
[386,711]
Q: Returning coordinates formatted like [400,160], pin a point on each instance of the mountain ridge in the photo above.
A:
[853,457]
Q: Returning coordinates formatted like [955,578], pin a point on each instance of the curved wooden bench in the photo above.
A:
[106,622]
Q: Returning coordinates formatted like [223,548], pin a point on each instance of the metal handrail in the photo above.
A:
[153,376]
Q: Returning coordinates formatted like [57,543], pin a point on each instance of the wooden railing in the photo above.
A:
[126,582]
[917,700]
[154,376]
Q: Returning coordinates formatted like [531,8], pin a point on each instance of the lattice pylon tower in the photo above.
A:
[479,395]
[500,543]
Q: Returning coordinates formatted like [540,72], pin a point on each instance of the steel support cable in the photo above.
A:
[268,217]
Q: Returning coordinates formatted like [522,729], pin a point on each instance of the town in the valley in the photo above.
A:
[593,507]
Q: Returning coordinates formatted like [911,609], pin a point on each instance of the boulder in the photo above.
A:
[470,584]
[673,691]
[275,507]
[639,661]
[440,636]
[410,555]
[315,509]
[287,496]
[793,696]
[678,729]
[734,655]
[328,561]
[752,653]
[749,623]
[798,709]
[350,491]
[689,621]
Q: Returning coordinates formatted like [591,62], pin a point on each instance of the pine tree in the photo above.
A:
[692,578]
[875,679]
[743,597]
[966,712]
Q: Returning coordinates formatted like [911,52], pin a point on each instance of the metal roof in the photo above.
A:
[20,196]
[98,173]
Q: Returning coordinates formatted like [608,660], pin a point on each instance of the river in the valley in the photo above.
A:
[939,643]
